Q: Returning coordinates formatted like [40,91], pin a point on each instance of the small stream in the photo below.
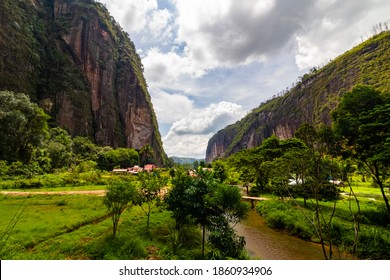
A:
[269,244]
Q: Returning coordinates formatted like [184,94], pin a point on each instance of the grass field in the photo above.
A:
[78,227]
[53,226]
[42,217]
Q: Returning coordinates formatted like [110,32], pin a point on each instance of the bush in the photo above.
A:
[300,227]
[375,216]
[276,219]
[30,184]
[225,243]
[51,181]
[16,168]
[121,248]
[374,244]
[282,216]
[190,237]
[265,207]
[3,167]
[90,177]
[85,166]
[329,192]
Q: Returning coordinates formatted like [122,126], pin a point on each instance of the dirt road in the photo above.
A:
[94,192]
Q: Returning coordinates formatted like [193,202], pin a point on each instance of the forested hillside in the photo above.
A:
[311,100]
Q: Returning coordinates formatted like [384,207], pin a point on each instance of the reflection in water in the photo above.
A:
[269,244]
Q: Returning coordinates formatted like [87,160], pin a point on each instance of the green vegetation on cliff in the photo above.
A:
[310,100]
[81,67]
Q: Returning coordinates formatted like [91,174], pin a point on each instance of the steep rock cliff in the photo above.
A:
[73,59]
[310,100]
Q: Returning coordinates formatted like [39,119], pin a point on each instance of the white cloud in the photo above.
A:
[308,54]
[186,145]
[131,14]
[211,119]
[142,17]
[334,26]
[171,107]
[228,32]
[168,68]
[158,23]
[189,135]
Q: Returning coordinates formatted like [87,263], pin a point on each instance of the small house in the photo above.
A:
[149,167]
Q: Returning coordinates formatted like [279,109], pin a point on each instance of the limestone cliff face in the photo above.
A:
[95,51]
[310,100]
[89,44]
[89,76]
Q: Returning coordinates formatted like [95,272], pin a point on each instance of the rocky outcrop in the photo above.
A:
[311,100]
[87,74]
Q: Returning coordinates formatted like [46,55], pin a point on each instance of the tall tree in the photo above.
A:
[214,206]
[176,198]
[118,197]
[147,154]
[84,149]
[307,133]
[149,192]
[59,148]
[230,210]
[23,126]
[362,121]
[219,170]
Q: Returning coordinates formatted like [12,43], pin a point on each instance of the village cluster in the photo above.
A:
[135,169]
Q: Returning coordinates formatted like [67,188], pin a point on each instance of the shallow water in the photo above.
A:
[269,244]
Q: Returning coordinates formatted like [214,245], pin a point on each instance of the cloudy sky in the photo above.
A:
[209,62]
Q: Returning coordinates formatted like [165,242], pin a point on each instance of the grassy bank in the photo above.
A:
[298,219]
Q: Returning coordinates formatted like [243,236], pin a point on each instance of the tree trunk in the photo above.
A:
[147,222]
[203,239]
[380,183]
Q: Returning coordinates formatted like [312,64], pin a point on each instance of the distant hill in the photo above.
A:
[182,160]
[311,100]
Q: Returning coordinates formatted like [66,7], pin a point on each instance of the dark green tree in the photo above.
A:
[292,173]
[195,165]
[362,122]
[225,243]
[109,158]
[147,154]
[84,149]
[23,126]
[59,148]
[204,201]
[219,170]
[176,199]
[255,165]
[308,134]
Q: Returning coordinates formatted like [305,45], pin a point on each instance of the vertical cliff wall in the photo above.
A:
[311,100]
[74,60]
